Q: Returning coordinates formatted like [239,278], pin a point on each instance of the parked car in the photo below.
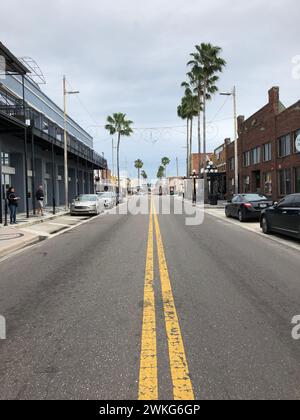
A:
[283,217]
[87,204]
[109,199]
[247,206]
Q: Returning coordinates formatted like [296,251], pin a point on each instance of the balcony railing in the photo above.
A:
[13,107]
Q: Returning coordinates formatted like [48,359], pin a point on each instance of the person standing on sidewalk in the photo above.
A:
[39,195]
[12,204]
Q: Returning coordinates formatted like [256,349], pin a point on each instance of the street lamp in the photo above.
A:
[194,176]
[65,93]
[211,170]
[236,159]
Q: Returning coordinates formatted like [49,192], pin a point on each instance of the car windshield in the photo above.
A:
[87,198]
[254,197]
[106,195]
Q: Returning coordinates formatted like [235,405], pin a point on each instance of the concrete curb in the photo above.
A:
[21,245]
[39,221]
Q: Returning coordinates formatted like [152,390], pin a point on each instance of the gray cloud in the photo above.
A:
[130,56]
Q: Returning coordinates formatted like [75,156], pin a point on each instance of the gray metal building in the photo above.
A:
[31,142]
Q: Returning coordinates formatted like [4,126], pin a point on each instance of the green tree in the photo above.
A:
[138,164]
[144,175]
[165,162]
[205,65]
[117,124]
[187,111]
[160,172]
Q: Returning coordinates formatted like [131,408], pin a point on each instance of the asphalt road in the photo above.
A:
[76,308]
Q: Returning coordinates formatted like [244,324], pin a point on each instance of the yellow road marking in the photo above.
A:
[182,385]
[148,384]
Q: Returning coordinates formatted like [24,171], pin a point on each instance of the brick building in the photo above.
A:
[204,158]
[268,160]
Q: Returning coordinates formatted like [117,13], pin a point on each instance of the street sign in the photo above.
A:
[297,143]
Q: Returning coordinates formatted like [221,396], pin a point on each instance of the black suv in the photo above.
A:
[283,217]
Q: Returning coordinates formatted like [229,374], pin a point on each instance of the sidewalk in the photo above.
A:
[16,237]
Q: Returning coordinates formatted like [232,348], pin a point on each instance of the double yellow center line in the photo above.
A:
[148,381]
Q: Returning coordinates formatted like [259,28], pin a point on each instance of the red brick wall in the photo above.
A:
[266,125]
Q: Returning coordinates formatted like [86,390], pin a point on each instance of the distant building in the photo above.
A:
[203,158]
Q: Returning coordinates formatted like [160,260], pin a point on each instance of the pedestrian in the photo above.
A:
[12,204]
[39,195]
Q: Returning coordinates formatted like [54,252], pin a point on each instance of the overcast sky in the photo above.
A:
[130,56]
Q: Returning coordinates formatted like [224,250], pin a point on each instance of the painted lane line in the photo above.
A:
[148,383]
[182,385]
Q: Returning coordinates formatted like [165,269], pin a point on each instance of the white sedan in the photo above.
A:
[109,199]
[87,204]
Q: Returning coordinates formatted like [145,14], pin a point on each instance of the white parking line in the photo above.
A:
[58,224]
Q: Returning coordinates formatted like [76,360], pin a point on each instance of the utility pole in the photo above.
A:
[236,156]
[177,167]
[66,170]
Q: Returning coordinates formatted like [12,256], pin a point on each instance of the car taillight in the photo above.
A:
[248,205]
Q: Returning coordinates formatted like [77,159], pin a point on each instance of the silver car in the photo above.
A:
[87,204]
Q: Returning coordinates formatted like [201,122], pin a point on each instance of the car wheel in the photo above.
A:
[227,214]
[265,226]
[241,216]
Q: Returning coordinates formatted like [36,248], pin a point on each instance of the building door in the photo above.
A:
[256,182]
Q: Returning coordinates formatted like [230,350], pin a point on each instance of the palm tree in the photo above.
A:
[188,110]
[117,124]
[160,172]
[206,63]
[144,175]
[181,112]
[138,164]
[165,162]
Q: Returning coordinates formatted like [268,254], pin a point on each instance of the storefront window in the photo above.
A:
[246,184]
[268,183]
[285,182]
[297,180]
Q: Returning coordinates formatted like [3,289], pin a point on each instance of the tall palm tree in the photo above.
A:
[188,110]
[206,63]
[144,175]
[160,172]
[117,124]
[138,164]
[165,162]
[181,113]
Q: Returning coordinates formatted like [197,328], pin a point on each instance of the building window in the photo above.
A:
[297,133]
[246,184]
[268,183]
[297,180]
[246,159]
[255,156]
[5,159]
[267,150]
[285,182]
[231,164]
[284,146]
